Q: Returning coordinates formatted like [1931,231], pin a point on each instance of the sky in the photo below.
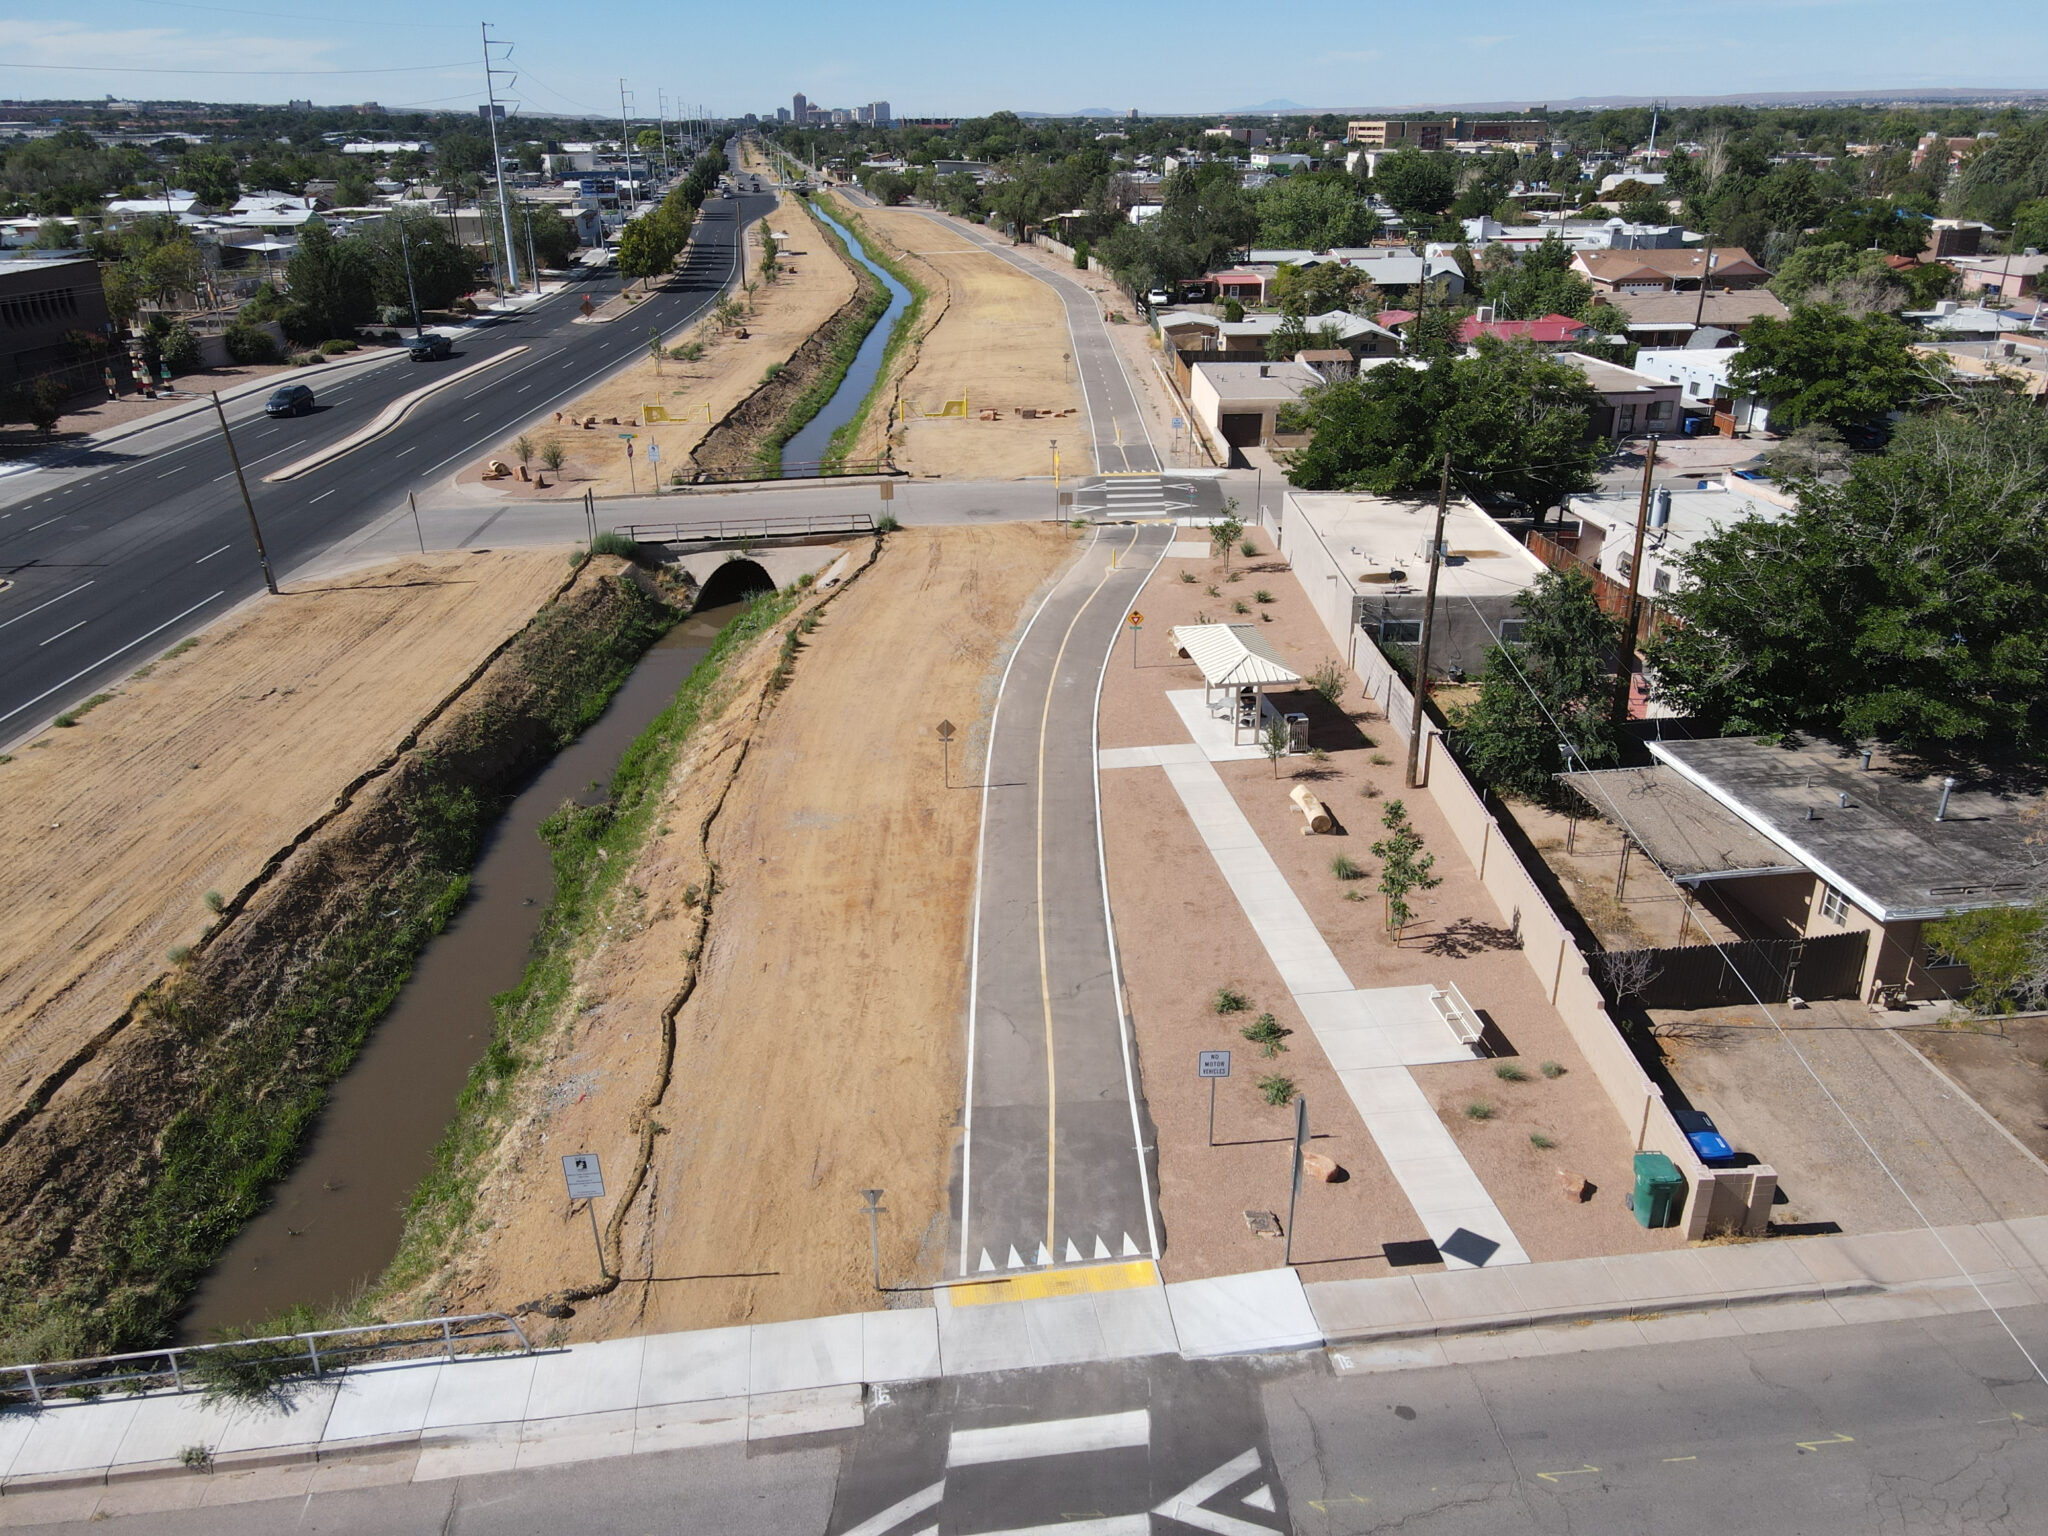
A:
[1160,56]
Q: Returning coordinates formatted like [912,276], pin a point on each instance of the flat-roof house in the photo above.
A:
[2016,276]
[1867,843]
[1682,512]
[1237,403]
[1631,403]
[1701,374]
[1365,562]
[1668,271]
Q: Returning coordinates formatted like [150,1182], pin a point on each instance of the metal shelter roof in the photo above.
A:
[1690,834]
[1233,656]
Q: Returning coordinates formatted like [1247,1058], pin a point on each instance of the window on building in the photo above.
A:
[1660,410]
[1833,906]
[1401,631]
[1511,630]
[1661,581]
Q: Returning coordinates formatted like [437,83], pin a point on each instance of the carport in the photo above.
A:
[1238,668]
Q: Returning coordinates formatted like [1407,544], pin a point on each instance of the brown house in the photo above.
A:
[1641,272]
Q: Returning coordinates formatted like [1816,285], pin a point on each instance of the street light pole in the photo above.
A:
[1625,672]
[405,250]
[262,555]
[498,164]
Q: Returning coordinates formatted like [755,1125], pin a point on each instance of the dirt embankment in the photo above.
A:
[742,443]
[142,1163]
[815,281]
[765,1016]
[995,337]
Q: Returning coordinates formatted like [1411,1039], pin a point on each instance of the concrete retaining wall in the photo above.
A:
[1724,1199]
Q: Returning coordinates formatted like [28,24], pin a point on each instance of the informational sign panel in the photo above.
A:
[1212,1064]
[585,1178]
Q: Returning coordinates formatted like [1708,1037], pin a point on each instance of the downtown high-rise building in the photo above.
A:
[800,108]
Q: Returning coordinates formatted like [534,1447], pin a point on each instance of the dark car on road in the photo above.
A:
[428,349]
[292,400]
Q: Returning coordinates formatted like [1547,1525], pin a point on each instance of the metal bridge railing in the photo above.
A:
[747,527]
[314,1353]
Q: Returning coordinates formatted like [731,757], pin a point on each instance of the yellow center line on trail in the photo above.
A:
[1052,1100]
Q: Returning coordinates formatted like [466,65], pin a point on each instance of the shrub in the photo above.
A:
[610,542]
[1262,596]
[1276,1089]
[1230,1000]
[198,1457]
[887,523]
[250,345]
[214,901]
[247,1373]
[1541,1142]
[1188,578]
[523,449]
[334,346]
[1239,605]
[1265,1032]
[1479,1109]
[179,348]
[553,455]
[1344,867]
[1551,1069]
[1213,591]
[1247,546]
[688,352]
[1509,1072]
[1327,678]
[1380,760]
[178,954]
[78,712]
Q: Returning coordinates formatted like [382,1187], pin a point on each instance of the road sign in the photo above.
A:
[946,729]
[585,1178]
[1134,618]
[1178,424]
[1212,1063]
[654,453]
[888,490]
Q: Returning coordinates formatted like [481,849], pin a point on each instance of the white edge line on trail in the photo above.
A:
[974,940]
[1116,978]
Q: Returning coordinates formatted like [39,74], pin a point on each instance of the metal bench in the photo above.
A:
[1462,1017]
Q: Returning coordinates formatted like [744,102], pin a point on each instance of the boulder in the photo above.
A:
[1576,1189]
[1318,1166]
[499,469]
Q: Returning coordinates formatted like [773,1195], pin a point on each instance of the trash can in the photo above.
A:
[1659,1191]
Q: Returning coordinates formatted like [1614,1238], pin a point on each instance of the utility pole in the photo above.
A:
[1700,309]
[1625,673]
[1421,686]
[661,124]
[405,250]
[626,140]
[234,458]
[498,162]
[532,265]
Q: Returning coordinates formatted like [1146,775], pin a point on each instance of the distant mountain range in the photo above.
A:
[1960,95]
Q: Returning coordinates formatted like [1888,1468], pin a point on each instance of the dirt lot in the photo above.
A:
[2002,1064]
[993,335]
[1954,1163]
[1182,935]
[816,281]
[1645,911]
[818,1037]
[205,764]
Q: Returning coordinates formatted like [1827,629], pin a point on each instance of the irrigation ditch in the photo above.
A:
[140,1161]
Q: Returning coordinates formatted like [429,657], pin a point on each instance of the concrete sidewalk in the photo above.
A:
[438,1418]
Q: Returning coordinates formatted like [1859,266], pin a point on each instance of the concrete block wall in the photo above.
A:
[1735,1199]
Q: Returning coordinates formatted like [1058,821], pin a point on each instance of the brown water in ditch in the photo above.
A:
[333,1224]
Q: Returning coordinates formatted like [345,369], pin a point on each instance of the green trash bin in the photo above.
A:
[1660,1190]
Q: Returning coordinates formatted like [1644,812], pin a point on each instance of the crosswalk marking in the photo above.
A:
[1049,1437]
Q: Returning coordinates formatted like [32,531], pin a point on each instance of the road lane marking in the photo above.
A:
[62,633]
[222,550]
[897,1513]
[1670,1459]
[1551,1477]
[39,607]
[57,519]
[175,469]
[404,451]
[323,495]
[1837,1439]
[472,416]
[124,650]
[1048,1437]
[1044,962]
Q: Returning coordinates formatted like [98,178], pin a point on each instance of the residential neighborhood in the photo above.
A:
[806,789]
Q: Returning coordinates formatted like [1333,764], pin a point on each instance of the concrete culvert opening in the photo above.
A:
[734,582]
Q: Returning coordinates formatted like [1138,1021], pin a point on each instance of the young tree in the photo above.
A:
[2006,949]
[1274,741]
[1404,866]
[1822,364]
[1549,691]
[1225,531]
[1904,604]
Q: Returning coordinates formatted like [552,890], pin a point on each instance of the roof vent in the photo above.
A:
[1866,759]
[1941,810]
[1842,800]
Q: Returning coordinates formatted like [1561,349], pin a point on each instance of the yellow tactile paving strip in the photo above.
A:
[1055,1282]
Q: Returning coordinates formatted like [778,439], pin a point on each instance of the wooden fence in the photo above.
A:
[1728,975]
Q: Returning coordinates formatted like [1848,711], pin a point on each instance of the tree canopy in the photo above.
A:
[1549,689]
[1417,186]
[1315,212]
[1515,420]
[1905,603]
[1824,364]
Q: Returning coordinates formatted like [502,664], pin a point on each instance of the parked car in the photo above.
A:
[428,349]
[292,400]
[1158,299]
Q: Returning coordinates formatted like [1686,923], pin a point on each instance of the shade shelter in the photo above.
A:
[1238,668]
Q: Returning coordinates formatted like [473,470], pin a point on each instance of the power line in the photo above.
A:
[140,69]
[1615,814]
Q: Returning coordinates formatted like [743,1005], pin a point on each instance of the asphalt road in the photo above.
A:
[1882,1429]
[1053,1151]
[110,564]
[1122,442]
